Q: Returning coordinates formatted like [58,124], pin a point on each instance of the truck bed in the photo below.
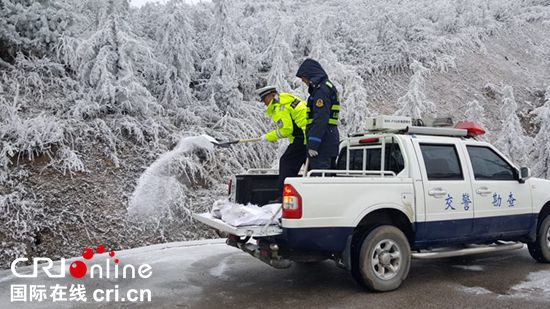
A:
[257,189]
[242,231]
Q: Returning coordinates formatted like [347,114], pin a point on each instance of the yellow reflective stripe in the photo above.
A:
[335,107]
[309,121]
[328,84]
[333,121]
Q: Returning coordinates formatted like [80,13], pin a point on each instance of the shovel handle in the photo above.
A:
[229,143]
[250,140]
[306,167]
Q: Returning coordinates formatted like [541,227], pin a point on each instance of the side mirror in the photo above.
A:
[524,174]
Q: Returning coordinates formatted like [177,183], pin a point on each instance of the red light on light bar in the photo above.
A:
[473,128]
[369,140]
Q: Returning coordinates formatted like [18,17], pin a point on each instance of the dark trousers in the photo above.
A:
[322,162]
[291,161]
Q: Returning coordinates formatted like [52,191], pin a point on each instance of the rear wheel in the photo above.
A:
[540,249]
[384,259]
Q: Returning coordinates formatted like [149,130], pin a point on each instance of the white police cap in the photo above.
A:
[262,92]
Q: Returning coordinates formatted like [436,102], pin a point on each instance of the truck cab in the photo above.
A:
[399,192]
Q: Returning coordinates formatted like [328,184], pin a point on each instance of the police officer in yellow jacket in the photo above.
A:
[290,114]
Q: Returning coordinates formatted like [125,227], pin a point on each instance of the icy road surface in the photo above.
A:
[209,274]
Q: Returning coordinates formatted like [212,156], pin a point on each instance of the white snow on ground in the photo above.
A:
[537,286]
[218,270]
[161,185]
[470,267]
[477,290]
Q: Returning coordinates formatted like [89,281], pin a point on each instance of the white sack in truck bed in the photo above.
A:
[245,215]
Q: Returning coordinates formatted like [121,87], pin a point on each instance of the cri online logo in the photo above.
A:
[79,269]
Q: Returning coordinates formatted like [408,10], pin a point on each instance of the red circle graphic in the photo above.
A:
[88,253]
[78,269]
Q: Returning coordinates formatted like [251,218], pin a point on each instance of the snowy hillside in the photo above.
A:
[93,92]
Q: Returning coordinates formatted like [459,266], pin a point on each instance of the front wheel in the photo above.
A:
[384,259]
[540,249]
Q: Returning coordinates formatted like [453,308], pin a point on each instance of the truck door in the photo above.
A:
[447,192]
[502,204]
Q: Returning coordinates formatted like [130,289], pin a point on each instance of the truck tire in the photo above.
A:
[540,249]
[384,259]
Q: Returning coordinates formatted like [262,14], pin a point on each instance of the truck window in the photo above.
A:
[441,162]
[488,165]
[393,159]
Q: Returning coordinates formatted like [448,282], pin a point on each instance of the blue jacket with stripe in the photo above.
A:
[321,135]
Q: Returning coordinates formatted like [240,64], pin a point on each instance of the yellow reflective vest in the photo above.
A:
[290,114]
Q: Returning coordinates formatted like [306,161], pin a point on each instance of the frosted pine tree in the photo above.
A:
[351,86]
[227,113]
[389,40]
[414,103]
[176,48]
[113,63]
[541,155]
[31,27]
[354,104]
[279,57]
[178,52]
[223,84]
[512,140]
[475,112]
[232,64]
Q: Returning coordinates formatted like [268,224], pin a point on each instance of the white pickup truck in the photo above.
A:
[398,193]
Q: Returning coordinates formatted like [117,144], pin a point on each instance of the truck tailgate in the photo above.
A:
[252,230]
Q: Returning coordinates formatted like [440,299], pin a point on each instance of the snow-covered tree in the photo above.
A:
[541,153]
[225,62]
[475,112]
[178,52]
[352,87]
[512,140]
[354,104]
[279,57]
[228,67]
[414,103]
[32,28]
[113,63]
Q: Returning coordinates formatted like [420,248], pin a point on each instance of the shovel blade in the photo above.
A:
[226,144]
[217,143]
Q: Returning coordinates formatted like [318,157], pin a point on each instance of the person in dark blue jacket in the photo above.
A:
[323,106]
